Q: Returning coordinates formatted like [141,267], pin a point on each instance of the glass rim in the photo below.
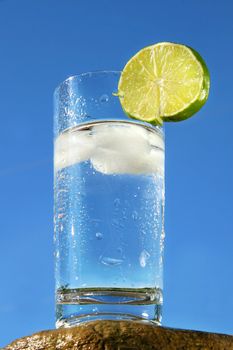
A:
[90,73]
[161,128]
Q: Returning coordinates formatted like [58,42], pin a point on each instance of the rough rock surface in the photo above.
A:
[122,335]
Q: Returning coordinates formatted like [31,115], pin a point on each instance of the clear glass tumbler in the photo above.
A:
[108,206]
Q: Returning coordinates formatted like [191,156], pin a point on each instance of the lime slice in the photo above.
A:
[164,82]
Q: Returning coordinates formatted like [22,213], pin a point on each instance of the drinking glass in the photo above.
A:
[108,205]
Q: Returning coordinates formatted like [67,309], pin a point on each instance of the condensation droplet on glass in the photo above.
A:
[77,101]
[161,261]
[60,216]
[99,235]
[117,202]
[120,250]
[144,257]
[104,98]
[115,222]
[134,215]
[106,260]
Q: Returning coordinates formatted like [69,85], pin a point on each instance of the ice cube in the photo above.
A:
[112,149]
[71,148]
[127,149]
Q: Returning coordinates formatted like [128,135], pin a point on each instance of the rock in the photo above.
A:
[122,335]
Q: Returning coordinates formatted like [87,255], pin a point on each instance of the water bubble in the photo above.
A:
[104,98]
[144,257]
[99,235]
[106,260]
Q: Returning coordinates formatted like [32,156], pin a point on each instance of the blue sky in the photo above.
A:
[42,42]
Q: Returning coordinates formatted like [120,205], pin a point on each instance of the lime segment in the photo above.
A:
[164,82]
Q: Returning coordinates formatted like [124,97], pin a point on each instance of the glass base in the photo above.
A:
[75,306]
